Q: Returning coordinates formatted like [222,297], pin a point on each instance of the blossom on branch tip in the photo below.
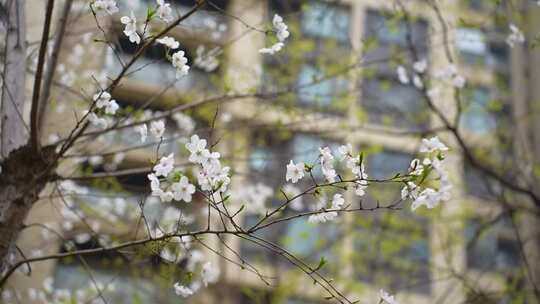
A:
[104,6]
[165,165]
[387,298]
[131,28]
[209,273]
[170,42]
[143,132]
[432,144]
[282,33]
[197,148]
[182,290]
[295,172]
[157,128]
[183,190]
[164,11]
[179,61]
[515,36]
[402,75]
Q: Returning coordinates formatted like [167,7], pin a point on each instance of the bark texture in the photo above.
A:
[24,176]
[13,127]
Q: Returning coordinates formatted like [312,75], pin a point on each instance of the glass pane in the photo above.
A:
[476,116]
[326,21]
[311,89]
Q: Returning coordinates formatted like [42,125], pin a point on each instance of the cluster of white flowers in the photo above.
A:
[282,33]
[104,6]
[515,36]
[104,105]
[419,68]
[172,185]
[212,176]
[295,172]
[356,165]
[327,164]
[387,298]
[131,28]
[179,61]
[207,60]
[208,273]
[433,161]
[324,216]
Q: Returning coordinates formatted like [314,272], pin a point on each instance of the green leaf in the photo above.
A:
[150,12]
[322,262]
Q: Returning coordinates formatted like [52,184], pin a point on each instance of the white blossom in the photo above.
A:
[182,290]
[327,166]
[131,28]
[402,75]
[432,144]
[282,33]
[280,27]
[417,81]
[111,107]
[143,132]
[345,151]
[276,47]
[209,273]
[420,66]
[170,42]
[295,172]
[324,216]
[164,11]
[197,147]
[102,99]
[165,165]
[104,6]
[179,61]
[515,36]
[387,298]
[183,190]
[157,128]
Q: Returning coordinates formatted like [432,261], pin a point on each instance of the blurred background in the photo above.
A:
[335,82]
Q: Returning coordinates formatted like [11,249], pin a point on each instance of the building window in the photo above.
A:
[317,90]
[492,246]
[326,21]
[480,47]
[477,117]
[322,30]
[388,102]
[384,98]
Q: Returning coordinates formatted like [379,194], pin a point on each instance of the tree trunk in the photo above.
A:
[13,127]
[24,176]
[23,172]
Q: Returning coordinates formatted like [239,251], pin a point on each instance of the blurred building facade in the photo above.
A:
[340,62]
